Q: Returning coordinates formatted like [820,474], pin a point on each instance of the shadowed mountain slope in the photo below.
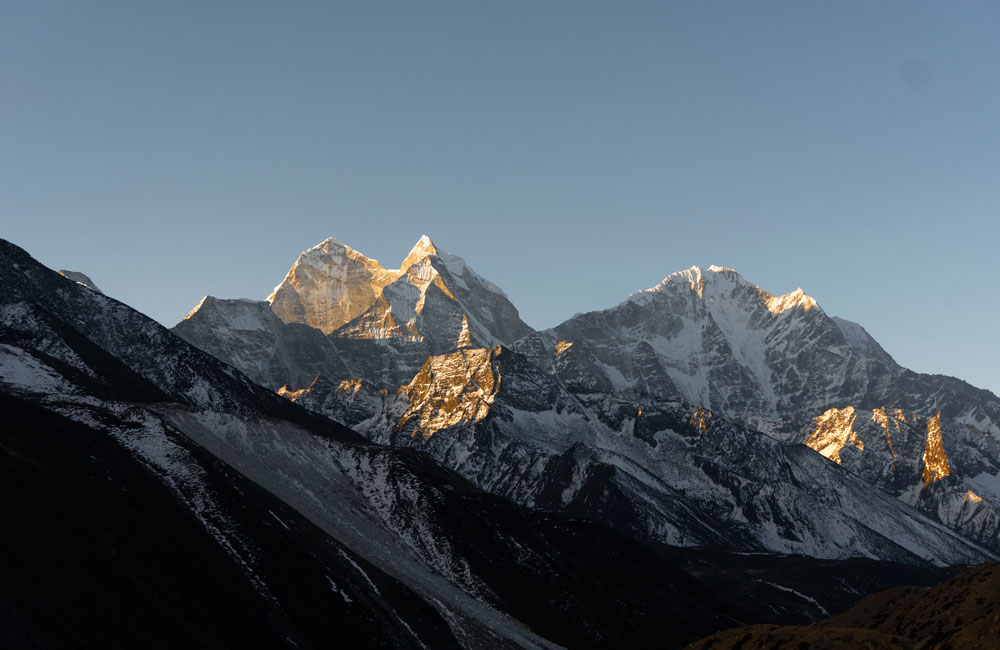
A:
[144,476]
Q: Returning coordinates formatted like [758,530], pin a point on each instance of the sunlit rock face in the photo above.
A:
[655,469]
[328,286]
[948,470]
[834,430]
[451,390]
[432,297]
[342,315]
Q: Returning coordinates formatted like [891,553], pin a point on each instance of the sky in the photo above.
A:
[571,152]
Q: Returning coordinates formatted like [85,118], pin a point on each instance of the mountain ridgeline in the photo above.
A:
[691,413]
[391,458]
[157,497]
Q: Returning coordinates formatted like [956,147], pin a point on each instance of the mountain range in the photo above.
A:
[393,458]
[685,414]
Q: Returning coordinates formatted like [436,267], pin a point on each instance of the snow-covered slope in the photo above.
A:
[701,339]
[316,534]
[719,341]
[780,364]
[654,468]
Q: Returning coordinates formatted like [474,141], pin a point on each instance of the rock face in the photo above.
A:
[340,314]
[684,414]
[946,469]
[653,468]
[432,297]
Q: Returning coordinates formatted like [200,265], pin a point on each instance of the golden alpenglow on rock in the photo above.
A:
[433,297]
[562,346]
[879,417]
[935,460]
[451,389]
[699,418]
[834,430]
[329,285]
[777,304]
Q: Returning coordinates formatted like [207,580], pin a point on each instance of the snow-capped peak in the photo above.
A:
[721,279]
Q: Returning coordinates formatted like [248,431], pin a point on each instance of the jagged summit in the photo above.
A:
[720,281]
[719,340]
[434,299]
[649,384]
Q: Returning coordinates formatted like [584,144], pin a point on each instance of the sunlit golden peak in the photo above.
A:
[797,298]
[320,254]
[422,249]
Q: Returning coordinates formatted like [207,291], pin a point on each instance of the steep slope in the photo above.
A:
[717,340]
[780,364]
[709,339]
[138,539]
[654,469]
[947,469]
[308,531]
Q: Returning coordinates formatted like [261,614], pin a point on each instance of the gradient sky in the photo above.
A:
[572,152]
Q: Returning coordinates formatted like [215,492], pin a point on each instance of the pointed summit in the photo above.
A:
[423,248]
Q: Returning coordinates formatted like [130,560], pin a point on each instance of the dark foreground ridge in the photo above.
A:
[958,614]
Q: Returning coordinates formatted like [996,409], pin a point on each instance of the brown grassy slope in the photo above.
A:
[958,614]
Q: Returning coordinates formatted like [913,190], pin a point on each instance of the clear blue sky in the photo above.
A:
[572,152]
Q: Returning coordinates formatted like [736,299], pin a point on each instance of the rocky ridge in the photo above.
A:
[703,346]
[163,484]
